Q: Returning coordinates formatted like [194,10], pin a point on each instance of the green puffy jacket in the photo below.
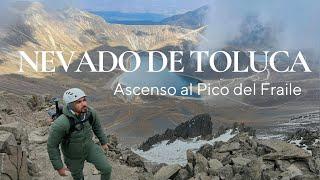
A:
[79,140]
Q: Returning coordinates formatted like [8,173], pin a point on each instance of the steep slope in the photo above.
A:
[191,19]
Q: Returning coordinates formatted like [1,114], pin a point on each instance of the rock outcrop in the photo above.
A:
[13,160]
[199,125]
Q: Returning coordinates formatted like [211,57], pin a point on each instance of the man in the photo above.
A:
[73,131]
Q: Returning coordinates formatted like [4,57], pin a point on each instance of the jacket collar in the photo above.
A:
[68,113]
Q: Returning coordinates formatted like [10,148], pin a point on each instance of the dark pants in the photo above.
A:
[96,156]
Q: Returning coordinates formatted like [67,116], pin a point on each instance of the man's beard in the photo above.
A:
[84,109]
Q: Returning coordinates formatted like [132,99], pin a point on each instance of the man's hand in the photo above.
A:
[49,121]
[63,171]
[106,146]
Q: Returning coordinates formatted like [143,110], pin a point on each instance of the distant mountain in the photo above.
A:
[71,29]
[117,17]
[191,19]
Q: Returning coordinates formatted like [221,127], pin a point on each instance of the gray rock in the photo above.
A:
[7,141]
[229,147]
[282,164]
[270,174]
[135,160]
[306,177]
[283,150]
[240,161]
[237,177]
[33,169]
[219,156]
[206,150]
[182,174]
[38,136]
[214,166]
[16,129]
[153,167]
[8,170]
[190,156]
[202,176]
[292,171]
[167,172]
[226,172]
[14,166]
[253,170]
[146,176]
[201,164]
[215,178]
[317,165]
[316,151]
[190,169]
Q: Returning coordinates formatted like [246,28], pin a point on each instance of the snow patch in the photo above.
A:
[266,136]
[175,153]
[298,143]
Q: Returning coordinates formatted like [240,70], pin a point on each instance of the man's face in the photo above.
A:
[81,105]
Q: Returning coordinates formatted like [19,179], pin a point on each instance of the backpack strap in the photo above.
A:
[72,122]
[90,118]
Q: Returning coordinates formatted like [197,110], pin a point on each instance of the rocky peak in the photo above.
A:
[199,125]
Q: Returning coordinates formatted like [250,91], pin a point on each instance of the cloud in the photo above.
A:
[294,24]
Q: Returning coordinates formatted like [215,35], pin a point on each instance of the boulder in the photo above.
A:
[282,150]
[317,165]
[292,171]
[135,160]
[206,150]
[7,142]
[214,166]
[16,129]
[8,170]
[254,169]
[182,174]
[201,164]
[153,167]
[190,156]
[13,161]
[146,176]
[202,176]
[240,161]
[229,147]
[282,165]
[226,172]
[190,168]
[219,156]
[316,150]
[39,136]
[167,172]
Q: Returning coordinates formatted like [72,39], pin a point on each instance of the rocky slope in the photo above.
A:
[191,19]
[246,157]
[24,131]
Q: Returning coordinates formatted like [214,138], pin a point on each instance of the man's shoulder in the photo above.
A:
[61,122]
[92,111]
